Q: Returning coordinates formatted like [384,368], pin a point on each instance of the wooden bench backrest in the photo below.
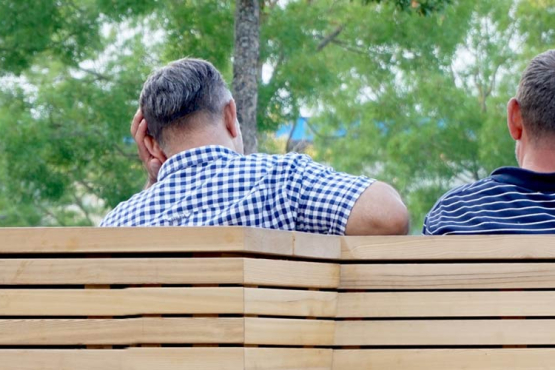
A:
[238,298]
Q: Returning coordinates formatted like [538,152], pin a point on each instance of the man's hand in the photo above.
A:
[139,133]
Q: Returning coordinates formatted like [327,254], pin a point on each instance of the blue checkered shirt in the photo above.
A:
[213,185]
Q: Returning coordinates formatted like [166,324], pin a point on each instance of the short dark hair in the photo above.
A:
[176,92]
[536,95]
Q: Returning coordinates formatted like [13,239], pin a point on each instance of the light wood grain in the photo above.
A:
[168,271]
[448,276]
[128,359]
[316,246]
[467,247]
[121,271]
[121,331]
[279,273]
[120,302]
[289,332]
[278,359]
[446,304]
[266,241]
[145,239]
[445,332]
[241,239]
[282,302]
[445,359]
[288,359]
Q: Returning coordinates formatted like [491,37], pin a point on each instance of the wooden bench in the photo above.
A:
[238,298]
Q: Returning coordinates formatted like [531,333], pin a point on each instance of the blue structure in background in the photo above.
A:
[302,131]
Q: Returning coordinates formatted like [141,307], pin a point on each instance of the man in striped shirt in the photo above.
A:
[512,200]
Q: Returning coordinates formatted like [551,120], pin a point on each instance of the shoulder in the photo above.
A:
[282,159]
[452,201]
[467,191]
[130,212]
[287,165]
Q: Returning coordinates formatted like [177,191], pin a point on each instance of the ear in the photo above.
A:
[230,119]
[514,119]
[154,149]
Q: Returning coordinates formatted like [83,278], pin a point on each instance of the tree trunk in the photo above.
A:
[245,69]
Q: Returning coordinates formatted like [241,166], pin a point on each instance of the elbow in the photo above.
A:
[379,211]
[392,216]
[396,221]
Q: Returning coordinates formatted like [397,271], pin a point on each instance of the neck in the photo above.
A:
[539,160]
[180,144]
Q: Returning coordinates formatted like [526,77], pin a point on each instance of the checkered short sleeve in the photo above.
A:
[326,198]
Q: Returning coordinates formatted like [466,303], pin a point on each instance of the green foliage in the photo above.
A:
[425,7]
[418,101]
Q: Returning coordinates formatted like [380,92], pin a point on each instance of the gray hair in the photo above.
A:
[174,94]
[536,95]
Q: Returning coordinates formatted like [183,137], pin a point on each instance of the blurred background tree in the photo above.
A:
[411,92]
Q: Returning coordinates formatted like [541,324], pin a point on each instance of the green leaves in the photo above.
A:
[422,7]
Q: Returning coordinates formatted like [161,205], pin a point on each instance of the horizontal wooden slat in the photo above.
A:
[288,359]
[444,332]
[282,302]
[446,304]
[289,332]
[450,359]
[168,271]
[276,359]
[120,302]
[121,271]
[145,239]
[243,239]
[272,302]
[168,359]
[316,246]
[277,302]
[291,273]
[467,247]
[128,359]
[448,276]
[121,331]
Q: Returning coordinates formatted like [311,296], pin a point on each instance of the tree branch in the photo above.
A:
[290,138]
[100,76]
[332,36]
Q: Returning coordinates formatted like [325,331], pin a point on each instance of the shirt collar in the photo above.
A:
[194,157]
[537,181]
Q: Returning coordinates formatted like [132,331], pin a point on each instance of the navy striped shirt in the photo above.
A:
[510,201]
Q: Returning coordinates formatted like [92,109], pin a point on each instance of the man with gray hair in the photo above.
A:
[512,200]
[190,142]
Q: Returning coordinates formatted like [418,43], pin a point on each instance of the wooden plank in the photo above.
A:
[289,332]
[266,241]
[121,271]
[316,246]
[445,332]
[288,359]
[121,331]
[445,359]
[279,273]
[128,359]
[145,239]
[281,302]
[467,247]
[446,304]
[448,276]
[120,302]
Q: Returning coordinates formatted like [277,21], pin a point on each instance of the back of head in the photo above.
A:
[174,96]
[536,96]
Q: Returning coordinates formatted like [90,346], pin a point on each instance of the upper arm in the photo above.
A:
[325,198]
[378,211]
